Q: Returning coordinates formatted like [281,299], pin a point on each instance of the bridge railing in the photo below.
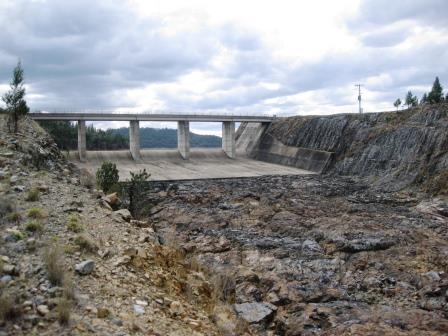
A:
[130,111]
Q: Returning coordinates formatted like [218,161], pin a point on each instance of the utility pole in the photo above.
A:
[359,96]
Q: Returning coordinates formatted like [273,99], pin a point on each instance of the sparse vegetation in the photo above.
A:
[34,226]
[86,179]
[7,206]
[14,217]
[86,243]
[74,224]
[224,288]
[63,310]
[397,103]
[9,310]
[33,195]
[36,213]
[54,264]
[107,175]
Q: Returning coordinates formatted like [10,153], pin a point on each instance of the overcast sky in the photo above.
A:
[264,56]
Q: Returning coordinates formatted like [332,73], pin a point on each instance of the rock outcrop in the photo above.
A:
[391,149]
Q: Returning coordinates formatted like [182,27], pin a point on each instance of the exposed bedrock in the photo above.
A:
[399,147]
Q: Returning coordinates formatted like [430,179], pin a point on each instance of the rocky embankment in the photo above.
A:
[70,265]
[312,255]
[390,150]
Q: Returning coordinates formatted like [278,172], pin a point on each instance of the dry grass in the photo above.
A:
[54,264]
[74,224]
[63,310]
[438,184]
[86,179]
[9,310]
[69,288]
[86,243]
[223,288]
[33,195]
[36,213]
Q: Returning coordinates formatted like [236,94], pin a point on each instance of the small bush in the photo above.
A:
[33,195]
[15,217]
[63,310]
[36,213]
[107,175]
[54,264]
[86,243]
[69,288]
[86,179]
[34,226]
[9,310]
[74,224]
[224,288]
[7,205]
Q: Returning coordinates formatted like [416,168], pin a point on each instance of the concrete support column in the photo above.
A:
[134,139]
[228,138]
[183,139]
[82,140]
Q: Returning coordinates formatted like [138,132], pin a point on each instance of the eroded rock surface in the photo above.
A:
[332,255]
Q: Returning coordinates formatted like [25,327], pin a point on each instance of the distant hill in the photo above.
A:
[65,134]
[167,138]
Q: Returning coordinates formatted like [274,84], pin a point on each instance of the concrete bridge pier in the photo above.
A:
[134,139]
[183,139]
[228,138]
[82,140]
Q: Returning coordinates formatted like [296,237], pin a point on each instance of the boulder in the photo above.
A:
[112,199]
[255,312]
[125,214]
[86,267]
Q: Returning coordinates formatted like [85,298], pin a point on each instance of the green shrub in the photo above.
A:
[74,224]
[107,175]
[36,213]
[136,190]
[34,226]
[15,217]
[33,195]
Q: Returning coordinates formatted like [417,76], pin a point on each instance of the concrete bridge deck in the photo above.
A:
[75,116]
[165,164]
[183,127]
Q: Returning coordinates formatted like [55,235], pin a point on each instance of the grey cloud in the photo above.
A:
[79,51]
[380,12]
[386,38]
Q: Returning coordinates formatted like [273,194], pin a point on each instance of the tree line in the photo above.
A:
[65,134]
[435,96]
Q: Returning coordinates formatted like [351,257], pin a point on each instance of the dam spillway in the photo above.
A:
[168,164]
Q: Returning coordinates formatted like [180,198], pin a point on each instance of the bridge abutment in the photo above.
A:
[134,139]
[183,139]
[228,138]
[82,148]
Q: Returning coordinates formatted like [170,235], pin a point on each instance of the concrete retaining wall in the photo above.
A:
[254,141]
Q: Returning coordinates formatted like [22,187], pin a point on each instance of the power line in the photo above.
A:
[359,96]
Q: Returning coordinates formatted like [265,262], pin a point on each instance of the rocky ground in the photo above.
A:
[303,255]
[313,255]
[69,265]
